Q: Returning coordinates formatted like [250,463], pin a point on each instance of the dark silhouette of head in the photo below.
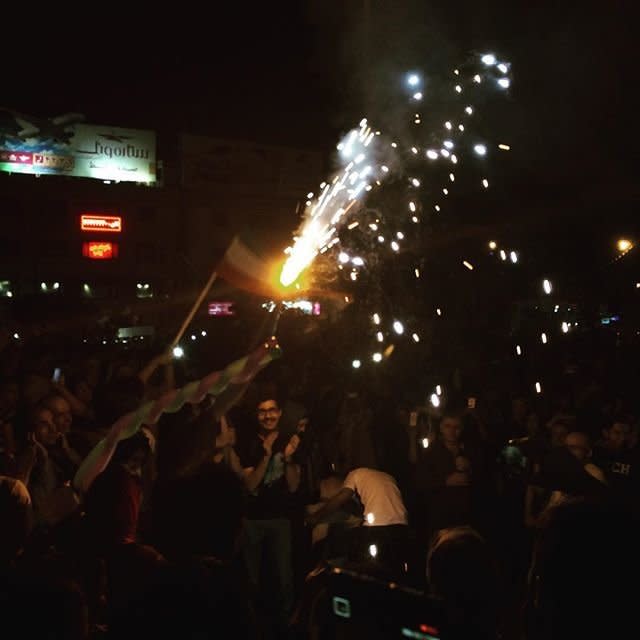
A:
[585,551]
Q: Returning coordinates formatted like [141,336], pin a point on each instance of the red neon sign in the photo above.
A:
[100,250]
[95,222]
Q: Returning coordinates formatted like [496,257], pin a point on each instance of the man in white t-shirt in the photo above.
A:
[384,528]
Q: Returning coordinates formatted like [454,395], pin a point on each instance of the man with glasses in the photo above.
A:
[272,476]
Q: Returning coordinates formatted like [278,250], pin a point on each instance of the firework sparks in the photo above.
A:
[339,201]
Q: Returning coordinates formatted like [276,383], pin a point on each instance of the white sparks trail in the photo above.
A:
[368,158]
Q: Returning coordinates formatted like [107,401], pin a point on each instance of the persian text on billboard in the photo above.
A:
[73,149]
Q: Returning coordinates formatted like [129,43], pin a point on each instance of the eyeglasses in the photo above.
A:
[270,411]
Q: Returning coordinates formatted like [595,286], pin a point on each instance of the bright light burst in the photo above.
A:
[333,203]
[367,159]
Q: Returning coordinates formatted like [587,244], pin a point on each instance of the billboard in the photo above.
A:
[64,146]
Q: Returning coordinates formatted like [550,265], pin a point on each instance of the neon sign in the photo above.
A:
[221,309]
[96,222]
[100,250]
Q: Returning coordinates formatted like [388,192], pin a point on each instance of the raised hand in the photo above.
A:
[291,447]
[267,443]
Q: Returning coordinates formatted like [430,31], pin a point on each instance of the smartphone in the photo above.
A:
[57,373]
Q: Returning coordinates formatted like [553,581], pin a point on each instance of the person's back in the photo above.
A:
[199,589]
[462,571]
[585,563]
[379,495]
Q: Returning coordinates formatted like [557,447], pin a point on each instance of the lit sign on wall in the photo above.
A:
[100,250]
[96,222]
[221,309]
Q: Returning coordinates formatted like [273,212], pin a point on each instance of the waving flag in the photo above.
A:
[239,372]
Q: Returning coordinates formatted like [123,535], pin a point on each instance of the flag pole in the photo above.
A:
[194,308]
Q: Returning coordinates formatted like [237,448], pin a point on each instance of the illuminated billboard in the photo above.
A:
[64,146]
[100,250]
[98,222]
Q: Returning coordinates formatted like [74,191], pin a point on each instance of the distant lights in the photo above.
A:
[543,338]
[417,95]
[504,147]
[469,110]
[468,265]
[480,149]
[413,79]
[373,550]
[398,328]
[178,352]
[376,318]
[489,59]
[377,357]
[356,364]
[485,183]
[514,257]
[518,349]
[435,400]
[343,258]
[425,443]
[503,67]
[546,286]
[432,155]
[505,83]
[565,327]
[416,337]
[492,245]
[370,518]
[538,387]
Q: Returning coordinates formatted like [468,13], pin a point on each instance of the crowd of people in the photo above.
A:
[281,508]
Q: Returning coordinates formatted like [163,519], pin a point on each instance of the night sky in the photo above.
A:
[303,73]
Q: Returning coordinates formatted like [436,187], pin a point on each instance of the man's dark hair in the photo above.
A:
[453,413]
[266,397]
[127,448]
